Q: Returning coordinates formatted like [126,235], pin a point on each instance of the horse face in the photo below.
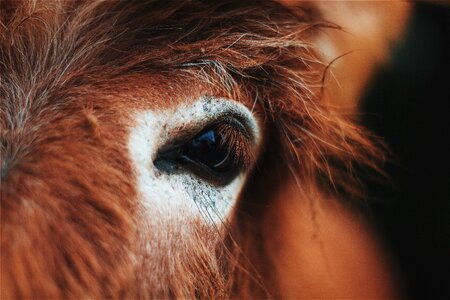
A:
[161,149]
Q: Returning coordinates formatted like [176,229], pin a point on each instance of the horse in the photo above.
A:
[189,149]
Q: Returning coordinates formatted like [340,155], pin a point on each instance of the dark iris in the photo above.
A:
[208,148]
[207,155]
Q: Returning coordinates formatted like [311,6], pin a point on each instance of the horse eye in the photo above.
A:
[210,155]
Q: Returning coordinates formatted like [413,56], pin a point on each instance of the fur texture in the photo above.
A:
[71,74]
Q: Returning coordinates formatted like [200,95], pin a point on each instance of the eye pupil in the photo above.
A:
[208,148]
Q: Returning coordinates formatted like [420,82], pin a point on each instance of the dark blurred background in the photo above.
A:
[408,104]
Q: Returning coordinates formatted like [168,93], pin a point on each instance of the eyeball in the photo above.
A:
[217,153]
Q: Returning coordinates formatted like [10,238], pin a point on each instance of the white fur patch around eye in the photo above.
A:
[182,195]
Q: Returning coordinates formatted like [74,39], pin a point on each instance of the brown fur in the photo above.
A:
[71,73]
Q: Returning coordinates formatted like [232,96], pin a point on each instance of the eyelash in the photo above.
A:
[239,142]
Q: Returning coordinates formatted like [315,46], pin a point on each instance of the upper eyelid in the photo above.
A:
[189,119]
[185,134]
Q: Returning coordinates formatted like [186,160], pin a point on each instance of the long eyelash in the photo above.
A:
[239,145]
